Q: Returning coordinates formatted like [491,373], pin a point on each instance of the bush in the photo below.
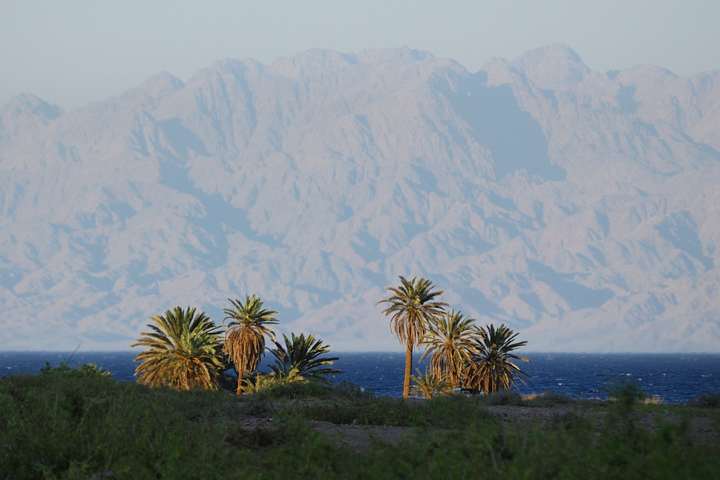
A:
[504,397]
[311,389]
[652,400]
[706,400]
[568,447]
[66,425]
[84,370]
[545,399]
[628,394]
[444,411]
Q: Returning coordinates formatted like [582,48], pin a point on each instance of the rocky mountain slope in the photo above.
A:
[578,206]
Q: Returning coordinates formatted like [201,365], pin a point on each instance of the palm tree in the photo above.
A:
[411,307]
[184,351]
[431,385]
[449,344]
[245,336]
[492,367]
[301,358]
[261,382]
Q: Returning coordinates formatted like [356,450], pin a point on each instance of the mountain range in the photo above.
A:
[579,207]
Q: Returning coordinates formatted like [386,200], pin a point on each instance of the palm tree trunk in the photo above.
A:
[408,371]
[238,390]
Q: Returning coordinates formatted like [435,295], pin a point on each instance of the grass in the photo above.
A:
[706,400]
[442,412]
[80,424]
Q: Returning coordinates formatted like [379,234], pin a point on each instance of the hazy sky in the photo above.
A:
[72,52]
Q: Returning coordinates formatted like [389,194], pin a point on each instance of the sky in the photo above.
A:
[74,52]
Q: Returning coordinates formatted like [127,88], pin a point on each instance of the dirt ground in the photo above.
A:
[702,428]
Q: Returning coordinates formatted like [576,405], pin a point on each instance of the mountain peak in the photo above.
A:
[330,60]
[557,50]
[161,83]
[235,65]
[34,105]
[163,79]
[395,54]
[154,87]
[313,59]
[555,66]
[648,73]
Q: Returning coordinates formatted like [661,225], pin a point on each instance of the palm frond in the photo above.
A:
[183,351]
[430,385]
[410,307]
[493,366]
[302,356]
[448,342]
[249,325]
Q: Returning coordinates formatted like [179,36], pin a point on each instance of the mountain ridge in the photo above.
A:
[574,205]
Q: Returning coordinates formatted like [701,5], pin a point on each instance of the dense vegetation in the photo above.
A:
[73,424]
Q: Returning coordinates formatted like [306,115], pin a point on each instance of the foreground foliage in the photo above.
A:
[64,424]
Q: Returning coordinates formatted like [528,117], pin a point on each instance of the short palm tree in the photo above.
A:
[430,385]
[301,358]
[262,382]
[183,351]
[245,336]
[449,344]
[492,367]
[411,306]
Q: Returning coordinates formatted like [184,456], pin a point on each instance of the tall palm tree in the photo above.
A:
[492,367]
[449,344]
[301,358]
[245,336]
[183,351]
[411,306]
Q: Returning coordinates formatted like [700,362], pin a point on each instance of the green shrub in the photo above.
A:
[706,400]
[84,370]
[504,397]
[311,389]
[627,394]
[67,425]
[546,399]
[62,422]
[445,411]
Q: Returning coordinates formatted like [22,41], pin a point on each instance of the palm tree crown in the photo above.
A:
[449,344]
[430,385]
[492,367]
[411,306]
[183,351]
[245,336]
[301,358]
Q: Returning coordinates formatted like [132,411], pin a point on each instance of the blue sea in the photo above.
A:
[674,377]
